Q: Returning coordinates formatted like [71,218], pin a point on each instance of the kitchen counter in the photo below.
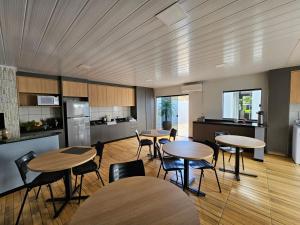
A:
[206,131]
[229,123]
[30,136]
[108,133]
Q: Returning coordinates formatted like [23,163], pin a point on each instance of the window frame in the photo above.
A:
[240,90]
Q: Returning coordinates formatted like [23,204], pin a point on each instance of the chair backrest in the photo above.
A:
[219,133]
[173,134]
[137,135]
[22,164]
[99,148]
[215,147]
[127,169]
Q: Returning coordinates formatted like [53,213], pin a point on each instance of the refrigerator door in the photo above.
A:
[77,109]
[79,131]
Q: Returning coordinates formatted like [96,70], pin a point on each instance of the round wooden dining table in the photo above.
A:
[239,142]
[135,201]
[188,150]
[63,160]
[155,134]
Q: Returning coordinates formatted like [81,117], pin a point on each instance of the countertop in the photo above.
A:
[99,122]
[229,123]
[30,136]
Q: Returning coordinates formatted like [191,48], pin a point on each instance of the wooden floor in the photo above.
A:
[272,198]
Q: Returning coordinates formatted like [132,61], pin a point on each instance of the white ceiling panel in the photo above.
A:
[123,42]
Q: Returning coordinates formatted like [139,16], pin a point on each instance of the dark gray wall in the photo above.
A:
[145,108]
[278,111]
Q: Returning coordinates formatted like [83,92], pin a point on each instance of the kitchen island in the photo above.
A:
[12,149]
[205,130]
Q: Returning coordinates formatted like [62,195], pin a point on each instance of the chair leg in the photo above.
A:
[181,179]
[176,176]
[223,160]
[37,194]
[217,180]
[22,206]
[80,188]
[99,177]
[52,199]
[150,150]
[159,170]
[229,158]
[200,183]
[243,161]
[139,152]
[75,182]
[165,175]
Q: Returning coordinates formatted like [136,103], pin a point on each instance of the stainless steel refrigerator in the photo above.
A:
[78,123]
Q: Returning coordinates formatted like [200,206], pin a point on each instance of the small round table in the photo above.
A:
[188,150]
[155,134]
[239,142]
[135,201]
[59,160]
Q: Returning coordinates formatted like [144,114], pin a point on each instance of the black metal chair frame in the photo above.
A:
[126,169]
[163,164]
[216,149]
[23,169]
[141,144]
[99,148]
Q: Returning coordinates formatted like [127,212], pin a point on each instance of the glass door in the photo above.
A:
[173,112]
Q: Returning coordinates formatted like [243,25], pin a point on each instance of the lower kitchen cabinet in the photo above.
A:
[106,133]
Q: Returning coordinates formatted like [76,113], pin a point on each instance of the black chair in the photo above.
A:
[228,149]
[173,134]
[40,180]
[203,164]
[126,169]
[170,163]
[88,167]
[142,142]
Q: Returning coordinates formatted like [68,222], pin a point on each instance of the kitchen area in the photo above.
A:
[55,112]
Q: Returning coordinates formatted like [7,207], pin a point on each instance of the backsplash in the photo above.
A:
[37,113]
[97,113]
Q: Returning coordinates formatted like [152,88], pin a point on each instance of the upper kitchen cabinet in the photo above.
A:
[74,89]
[97,95]
[37,85]
[104,95]
[295,87]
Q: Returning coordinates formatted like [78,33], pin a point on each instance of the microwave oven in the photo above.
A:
[47,100]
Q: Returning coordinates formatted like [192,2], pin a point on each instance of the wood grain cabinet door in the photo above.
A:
[74,89]
[102,95]
[37,85]
[295,87]
[93,94]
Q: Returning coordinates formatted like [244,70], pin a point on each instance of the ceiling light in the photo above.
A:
[149,80]
[220,65]
[172,14]
[84,67]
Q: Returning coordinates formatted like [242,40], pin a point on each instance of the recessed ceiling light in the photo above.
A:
[84,67]
[172,14]
[220,65]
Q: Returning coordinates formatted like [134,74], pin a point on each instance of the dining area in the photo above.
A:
[113,184]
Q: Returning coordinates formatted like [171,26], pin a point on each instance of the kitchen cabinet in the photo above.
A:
[295,87]
[37,85]
[104,95]
[74,89]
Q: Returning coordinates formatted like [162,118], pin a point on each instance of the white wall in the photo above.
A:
[209,102]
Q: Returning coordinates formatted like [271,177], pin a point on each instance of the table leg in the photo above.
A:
[237,163]
[236,170]
[68,193]
[155,145]
[187,180]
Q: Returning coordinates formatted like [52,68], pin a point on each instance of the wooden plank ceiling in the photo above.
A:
[121,41]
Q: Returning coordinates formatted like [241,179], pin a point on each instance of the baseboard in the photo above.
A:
[276,153]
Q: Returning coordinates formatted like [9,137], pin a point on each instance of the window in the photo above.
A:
[242,104]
